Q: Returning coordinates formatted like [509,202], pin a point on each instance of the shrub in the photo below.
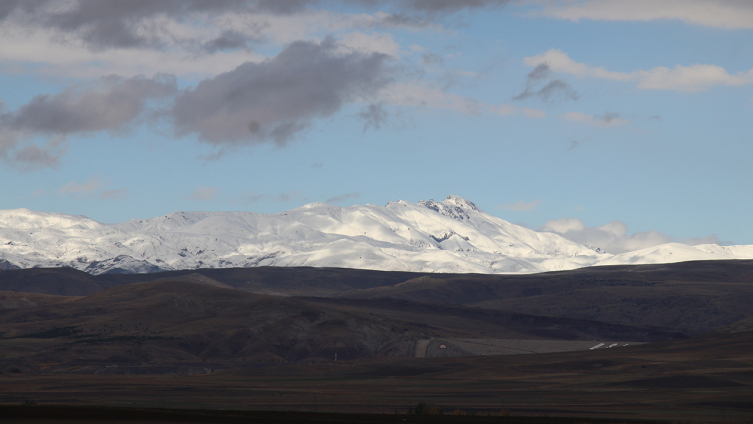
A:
[423,409]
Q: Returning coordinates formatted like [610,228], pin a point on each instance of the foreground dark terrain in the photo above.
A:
[267,339]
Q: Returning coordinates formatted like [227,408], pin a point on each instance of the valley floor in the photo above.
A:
[672,381]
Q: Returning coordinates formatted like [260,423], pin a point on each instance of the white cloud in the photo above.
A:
[691,78]
[521,206]
[559,61]
[729,14]
[604,121]
[696,77]
[611,237]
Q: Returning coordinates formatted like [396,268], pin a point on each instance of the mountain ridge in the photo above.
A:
[451,236]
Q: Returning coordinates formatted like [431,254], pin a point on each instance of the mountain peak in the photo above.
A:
[463,203]
[454,207]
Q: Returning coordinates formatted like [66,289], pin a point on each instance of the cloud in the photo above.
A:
[726,14]
[373,116]
[130,24]
[370,43]
[343,197]
[503,110]
[32,156]
[558,61]
[521,206]
[611,237]
[254,197]
[445,6]
[712,239]
[680,78]
[425,95]
[229,40]
[553,88]
[110,103]
[123,24]
[93,187]
[86,188]
[608,119]
[428,59]
[690,78]
[203,194]
[276,99]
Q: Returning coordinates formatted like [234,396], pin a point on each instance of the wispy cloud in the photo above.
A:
[93,187]
[539,84]
[203,194]
[691,78]
[608,119]
[373,116]
[711,13]
[343,197]
[254,197]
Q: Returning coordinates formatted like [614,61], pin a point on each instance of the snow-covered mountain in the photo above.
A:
[678,252]
[449,236]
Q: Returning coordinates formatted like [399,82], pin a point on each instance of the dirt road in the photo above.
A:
[421,347]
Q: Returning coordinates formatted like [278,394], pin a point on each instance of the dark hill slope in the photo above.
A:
[692,297]
[304,281]
[55,281]
[175,322]
[689,297]
[172,321]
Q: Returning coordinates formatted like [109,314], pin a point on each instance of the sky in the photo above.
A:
[617,124]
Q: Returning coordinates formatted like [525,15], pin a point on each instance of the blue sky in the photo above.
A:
[620,123]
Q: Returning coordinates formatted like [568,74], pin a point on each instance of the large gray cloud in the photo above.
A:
[277,98]
[119,23]
[115,23]
[444,6]
[112,103]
